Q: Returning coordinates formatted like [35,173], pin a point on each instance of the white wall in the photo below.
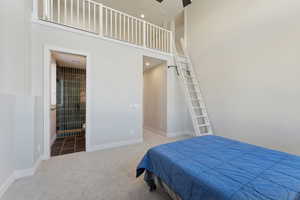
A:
[178,119]
[16,132]
[155,99]
[14,40]
[116,80]
[7,165]
[247,57]
[24,132]
[116,92]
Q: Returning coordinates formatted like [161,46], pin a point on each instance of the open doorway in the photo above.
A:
[68,103]
[155,96]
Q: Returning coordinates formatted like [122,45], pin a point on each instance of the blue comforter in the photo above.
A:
[216,168]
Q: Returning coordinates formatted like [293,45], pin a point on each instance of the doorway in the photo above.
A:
[155,96]
[68,103]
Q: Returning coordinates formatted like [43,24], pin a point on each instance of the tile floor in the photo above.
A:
[69,144]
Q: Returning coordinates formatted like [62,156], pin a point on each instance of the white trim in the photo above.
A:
[53,140]
[178,134]
[27,172]
[114,145]
[7,183]
[35,8]
[17,174]
[47,106]
[74,30]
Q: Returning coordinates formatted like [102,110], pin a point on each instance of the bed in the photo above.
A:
[216,168]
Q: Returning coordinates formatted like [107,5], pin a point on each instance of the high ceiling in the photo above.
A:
[155,12]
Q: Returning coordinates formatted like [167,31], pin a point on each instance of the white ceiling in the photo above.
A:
[155,12]
[69,60]
[153,62]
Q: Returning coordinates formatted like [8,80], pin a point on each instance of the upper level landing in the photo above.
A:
[105,22]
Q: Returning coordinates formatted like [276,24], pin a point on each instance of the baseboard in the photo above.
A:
[178,134]
[190,133]
[17,174]
[155,131]
[114,145]
[53,140]
[7,183]
[27,172]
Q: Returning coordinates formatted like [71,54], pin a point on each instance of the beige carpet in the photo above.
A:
[101,175]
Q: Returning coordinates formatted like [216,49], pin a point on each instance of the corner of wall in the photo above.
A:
[17,174]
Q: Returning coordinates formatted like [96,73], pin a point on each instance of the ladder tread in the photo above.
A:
[197,107]
[203,125]
[190,77]
[200,116]
[195,99]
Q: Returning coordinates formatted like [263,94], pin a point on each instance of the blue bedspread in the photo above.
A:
[216,168]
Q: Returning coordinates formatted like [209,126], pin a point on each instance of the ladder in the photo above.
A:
[192,92]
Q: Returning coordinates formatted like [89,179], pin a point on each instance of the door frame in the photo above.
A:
[46,96]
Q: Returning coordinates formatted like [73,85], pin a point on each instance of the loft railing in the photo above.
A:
[93,17]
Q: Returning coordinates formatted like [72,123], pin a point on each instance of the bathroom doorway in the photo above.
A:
[68,103]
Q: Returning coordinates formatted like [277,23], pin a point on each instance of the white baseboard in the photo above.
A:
[114,145]
[178,134]
[53,140]
[152,130]
[27,172]
[17,174]
[7,183]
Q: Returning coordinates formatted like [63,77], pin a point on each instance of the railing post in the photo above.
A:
[171,43]
[46,9]
[144,34]
[35,9]
[101,20]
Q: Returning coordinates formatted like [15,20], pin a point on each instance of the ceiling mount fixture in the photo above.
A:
[184,2]
[142,16]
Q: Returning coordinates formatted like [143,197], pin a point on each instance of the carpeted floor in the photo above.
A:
[101,175]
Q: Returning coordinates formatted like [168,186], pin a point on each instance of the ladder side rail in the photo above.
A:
[187,95]
[202,101]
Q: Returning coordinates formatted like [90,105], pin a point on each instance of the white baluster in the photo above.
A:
[65,12]
[71,12]
[128,30]
[89,12]
[116,24]
[58,11]
[111,24]
[151,36]
[120,26]
[106,21]
[78,13]
[51,10]
[101,20]
[94,29]
[124,27]
[83,14]
[132,39]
